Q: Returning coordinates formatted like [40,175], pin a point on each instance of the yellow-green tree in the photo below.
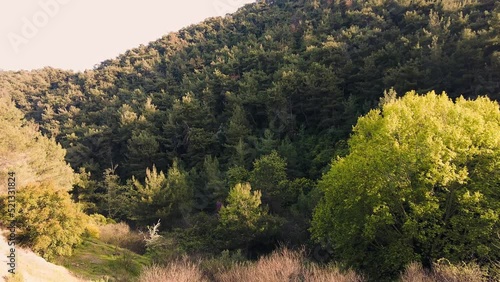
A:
[243,207]
[242,218]
[48,221]
[166,197]
[421,182]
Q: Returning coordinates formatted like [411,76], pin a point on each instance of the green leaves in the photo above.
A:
[168,197]
[243,219]
[243,207]
[420,173]
[47,221]
[267,175]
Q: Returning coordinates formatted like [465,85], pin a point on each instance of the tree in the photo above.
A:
[23,149]
[241,217]
[237,128]
[268,174]
[150,197]
[165,197]
[142,152]
[243,207]
[182,193]
[116,201]
[189,130]
[420,183]
[48,221]
[214,188]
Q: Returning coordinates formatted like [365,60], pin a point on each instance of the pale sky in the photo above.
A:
[78,34]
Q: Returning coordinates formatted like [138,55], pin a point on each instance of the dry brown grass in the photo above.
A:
[282,265]
[461,273]
[318,274]
[444,273]
[119,234]
[291,266]
[177,271]
[415,273]
[285,265]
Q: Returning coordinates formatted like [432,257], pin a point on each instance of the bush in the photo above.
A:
[177,271]
[213,266]
[119,234]
[165,250]
[444,273]
[285,265]
[100,219]
[48,221]
[92,229]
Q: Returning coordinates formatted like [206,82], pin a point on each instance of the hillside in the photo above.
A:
[223,130]
[260,75]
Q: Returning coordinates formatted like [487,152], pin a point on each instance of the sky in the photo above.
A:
[78,34]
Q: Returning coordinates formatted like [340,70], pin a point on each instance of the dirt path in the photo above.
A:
[32,267]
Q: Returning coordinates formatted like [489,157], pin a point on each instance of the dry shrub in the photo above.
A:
[463,273]
[227,260]
[415,273]
[444,273]
[315,273]
[119,234]
[284,265]
[177,271]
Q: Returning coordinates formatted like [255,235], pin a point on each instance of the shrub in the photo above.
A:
[100,219]
[458,273]
[314,273]
[177,271]
[164,250]
[213,266]
[415,273]
[444,273]
[119,234]
[48,221]
[92,229]
[285,265]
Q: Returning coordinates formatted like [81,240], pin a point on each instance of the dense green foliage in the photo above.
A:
[288,75]
[420,183]
[47,220]
[266,96]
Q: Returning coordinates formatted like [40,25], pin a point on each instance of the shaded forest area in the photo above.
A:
[222,130]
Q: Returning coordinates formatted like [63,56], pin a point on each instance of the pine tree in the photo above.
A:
[268,174]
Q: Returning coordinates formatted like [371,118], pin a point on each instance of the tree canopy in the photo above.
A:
[420,183]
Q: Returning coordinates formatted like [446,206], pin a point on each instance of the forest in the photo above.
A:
[364,133]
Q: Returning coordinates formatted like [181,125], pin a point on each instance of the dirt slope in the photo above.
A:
[32,267]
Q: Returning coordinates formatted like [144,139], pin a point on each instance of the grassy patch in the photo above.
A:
[95,260]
